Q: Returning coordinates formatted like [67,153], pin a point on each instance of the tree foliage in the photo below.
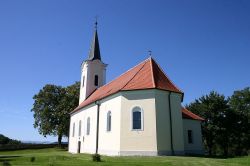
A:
[226,126]
[51,109]
[5,140]
[213,108]
[240,102]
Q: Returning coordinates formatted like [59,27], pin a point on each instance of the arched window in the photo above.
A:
[83,79]
[88,126]
[137,118]
[73,130]
[109,121]
[96,80]
[80,128]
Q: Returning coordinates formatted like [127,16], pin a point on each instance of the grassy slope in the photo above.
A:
[54,157]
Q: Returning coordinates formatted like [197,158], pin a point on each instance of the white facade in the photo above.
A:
[195,146]
[109,141]
[136,120]
[90,71]
[163,123]
[153,139]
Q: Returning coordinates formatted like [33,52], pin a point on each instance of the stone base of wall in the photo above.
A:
[143,153]
[138,153]
[151,153]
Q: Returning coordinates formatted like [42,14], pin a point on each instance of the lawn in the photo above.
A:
[54,157]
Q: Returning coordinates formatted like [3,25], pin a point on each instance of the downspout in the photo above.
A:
[170,121]
[69,130]
[97,126]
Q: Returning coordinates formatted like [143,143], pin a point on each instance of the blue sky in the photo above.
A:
[201,45]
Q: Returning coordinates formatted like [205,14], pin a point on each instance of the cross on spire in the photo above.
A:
[149,52]
[96,22]
[95,49]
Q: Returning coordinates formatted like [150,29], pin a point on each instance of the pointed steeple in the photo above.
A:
[95,49]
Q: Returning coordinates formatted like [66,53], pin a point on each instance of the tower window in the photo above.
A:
[83,79]
[190,136]
[109,121]
[96,80]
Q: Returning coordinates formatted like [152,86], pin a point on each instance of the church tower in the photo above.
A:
[93,70]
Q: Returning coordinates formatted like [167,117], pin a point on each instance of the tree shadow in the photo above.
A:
[7,158]
[207,156]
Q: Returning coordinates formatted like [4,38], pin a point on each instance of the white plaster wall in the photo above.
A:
[88,145]
[177,123]
[138,142]
[109,142]
[196,147]
[72,140]
[163,123]
[89,69]
[154,139]
[84,74]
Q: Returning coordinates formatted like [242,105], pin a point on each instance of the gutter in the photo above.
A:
[69,131]
[78,107]
[170,123]
[97,126]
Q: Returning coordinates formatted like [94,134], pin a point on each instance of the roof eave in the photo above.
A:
[77,109]
[193,119]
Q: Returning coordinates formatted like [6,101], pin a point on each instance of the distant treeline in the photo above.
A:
[28,146]
[7,141]
[10,144]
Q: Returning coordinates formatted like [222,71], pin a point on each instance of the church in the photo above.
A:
[138,113]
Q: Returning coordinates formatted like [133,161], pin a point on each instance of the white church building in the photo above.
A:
[138,113]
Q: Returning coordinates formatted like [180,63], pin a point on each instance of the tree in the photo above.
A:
[4,140]
[51,109]
[214,109]
[240,102]
[69,102]
[225,133]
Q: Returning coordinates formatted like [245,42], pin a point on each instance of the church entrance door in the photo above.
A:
[79,147]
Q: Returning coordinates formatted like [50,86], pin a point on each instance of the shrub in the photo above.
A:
[6,163]
[32,159]
[96,157]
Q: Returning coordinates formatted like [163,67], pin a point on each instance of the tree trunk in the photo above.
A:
[209,140]
[225,144]
[225,151]
[210,146]
[59,139]
[239,148]
[209,151]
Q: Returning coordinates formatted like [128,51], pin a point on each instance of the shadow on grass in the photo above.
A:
[207,156]
[61,148]
[7,158]
[6,163]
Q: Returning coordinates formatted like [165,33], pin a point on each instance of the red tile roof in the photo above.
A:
[186,114]
[146,75]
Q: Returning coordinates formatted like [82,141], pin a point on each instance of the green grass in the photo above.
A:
[54,157]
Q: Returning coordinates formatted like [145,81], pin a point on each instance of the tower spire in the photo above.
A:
[94,52]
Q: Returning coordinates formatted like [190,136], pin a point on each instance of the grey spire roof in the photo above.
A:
[94,52]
